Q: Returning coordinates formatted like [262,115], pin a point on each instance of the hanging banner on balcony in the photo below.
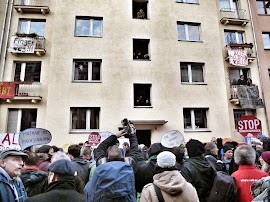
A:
[249,97]
[7,89]
[22,44]
[9,140]
[237,56]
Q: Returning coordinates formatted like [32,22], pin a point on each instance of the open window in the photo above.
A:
[235,74]
[141,49]
[27,71]
[139,9]
[142,95]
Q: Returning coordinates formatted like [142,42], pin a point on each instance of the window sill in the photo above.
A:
[141,59]
[82,131]
[141,18]
[82,81]
[198,83]
[190,41]
[264,14]
[143,107]
[186,3]
[267,49]
[90,36]
[196,130]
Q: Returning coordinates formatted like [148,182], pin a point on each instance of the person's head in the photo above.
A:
[86,153]
[211,149]
[228,152]
[11,160]
[114,153]
[194,148]
[59,155]
[117,143]
[61,170]
[32,159]
[141,10]
[166,159]
[179,153]
[214,140]
[74,150]
[46,149]
[244,155]
[126,146]
[242,77]
[155,149]
[265,160]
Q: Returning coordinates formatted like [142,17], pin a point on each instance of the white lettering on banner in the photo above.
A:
[251,124]
[248,180]
[9,140]
[22,44]
[238,56]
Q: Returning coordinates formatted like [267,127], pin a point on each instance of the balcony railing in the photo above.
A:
[26,89]
[32,6]
[233,16]
[240,51]
[27,43]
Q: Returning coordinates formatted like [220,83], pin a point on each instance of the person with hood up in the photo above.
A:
[169,181]
[44,153]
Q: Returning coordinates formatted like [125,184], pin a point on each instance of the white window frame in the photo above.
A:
[91,26]
[232,3]
[267,35]
[236,35]
[192,115]
[90,71]
[187,1]
[190,74]
[187,33]
[23,68]
[29,21]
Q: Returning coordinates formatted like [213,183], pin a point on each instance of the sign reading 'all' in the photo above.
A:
[249,125]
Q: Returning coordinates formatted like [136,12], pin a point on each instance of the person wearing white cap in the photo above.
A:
[168,183]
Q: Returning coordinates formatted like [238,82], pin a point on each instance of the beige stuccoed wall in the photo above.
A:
[114,95]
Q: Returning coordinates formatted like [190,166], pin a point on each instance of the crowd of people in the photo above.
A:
[132,173]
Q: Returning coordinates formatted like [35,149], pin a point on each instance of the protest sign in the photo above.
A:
[95,138]
[34,136]
[172,139]
[9,140]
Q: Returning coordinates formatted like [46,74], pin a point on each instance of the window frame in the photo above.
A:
[90,70]
[185,1]
[139,44]
[142,4]
[236,33]
[23,70]
[143,87]
[91,20]
[268,38]
[265,9]
[29,21]
[87,120]
[193,120]
[187,36]
[189,65]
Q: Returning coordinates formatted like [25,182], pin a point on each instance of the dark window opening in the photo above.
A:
[139,9]
[142,94]
[236,73]
[238,113]
[85,118]
[140,49]
[29,117]
[31,71]
[144,137]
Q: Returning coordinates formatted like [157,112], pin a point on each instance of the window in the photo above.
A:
[87,70]
[141,49]
[238,113]
[187,1]
[27,71]
[266,40]
[228,5]
[195,119]
[142,95]
[21,119]
[233,37]
[191,72]
[263,6]
[235,74]
[188,31]
[85,118]
[89,26]
[32,26]
[139,9]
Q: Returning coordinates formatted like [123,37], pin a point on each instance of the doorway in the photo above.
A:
[144,137]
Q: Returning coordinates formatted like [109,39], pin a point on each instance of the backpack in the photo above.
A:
[260,190]
[224,188]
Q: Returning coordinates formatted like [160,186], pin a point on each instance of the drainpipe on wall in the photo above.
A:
[3,28]
[6,41]
[258,61]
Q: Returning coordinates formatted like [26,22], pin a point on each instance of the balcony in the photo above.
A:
[32,6]
[246,96]
[230,16]
[239,54]
[27,44]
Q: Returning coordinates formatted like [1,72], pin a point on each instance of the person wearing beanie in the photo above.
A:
[197,170]
[227,157]
[169,181]
[265,161]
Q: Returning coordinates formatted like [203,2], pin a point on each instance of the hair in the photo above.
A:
[59,155]
[86,151]
[32,159]
[114,152]
[74,150]
[55,148]
[179,153]
[61,177]
[245,155]
[265,166]
[209,148]
[126,144]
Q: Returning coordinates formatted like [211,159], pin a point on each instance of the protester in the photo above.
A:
[211,154]
[32,177]
[61,184]
[247,173]
[227,157]
[179,153]
[44,153]
[265,161]
[197,170]
[169,182]
[11,186]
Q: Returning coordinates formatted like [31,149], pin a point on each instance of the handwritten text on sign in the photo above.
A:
[22,44]
[238,56]
[7,89]
[9,140]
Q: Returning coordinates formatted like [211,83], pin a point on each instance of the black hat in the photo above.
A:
[194,148]
[44,149]
[63,167]
[155,149]
[227,148]
[12,152]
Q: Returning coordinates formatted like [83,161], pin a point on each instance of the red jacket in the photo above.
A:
[245,176]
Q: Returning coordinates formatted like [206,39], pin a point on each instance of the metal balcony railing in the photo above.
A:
[233,13]
[31,3]
[28,89]
[234,92]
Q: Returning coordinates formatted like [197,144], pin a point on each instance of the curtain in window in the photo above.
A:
[23,27]
[12,120]
[184,73]
[187,118]
[197,73]
[200,119]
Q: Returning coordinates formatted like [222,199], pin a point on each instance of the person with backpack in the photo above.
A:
[247,173]
[168,184]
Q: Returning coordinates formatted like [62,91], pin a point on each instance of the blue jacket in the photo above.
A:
[11,190]
[111,182]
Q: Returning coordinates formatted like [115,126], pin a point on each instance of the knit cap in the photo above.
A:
[166,159]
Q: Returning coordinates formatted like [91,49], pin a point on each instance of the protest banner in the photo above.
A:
[34,136]
[95,138]
[9,140]
[172,139]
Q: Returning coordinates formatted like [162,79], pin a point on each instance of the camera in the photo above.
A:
[126,126]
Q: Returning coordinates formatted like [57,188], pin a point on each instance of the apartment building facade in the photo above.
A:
[78,67]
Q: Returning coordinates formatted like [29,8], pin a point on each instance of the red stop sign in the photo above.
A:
[249,124]
[94,138]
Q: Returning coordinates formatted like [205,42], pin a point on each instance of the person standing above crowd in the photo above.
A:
[247,173]
[11,186]
[169,182]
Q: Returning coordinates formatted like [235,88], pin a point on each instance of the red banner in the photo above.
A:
[7,89]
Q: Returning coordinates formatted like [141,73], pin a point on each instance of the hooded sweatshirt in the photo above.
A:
[173,188]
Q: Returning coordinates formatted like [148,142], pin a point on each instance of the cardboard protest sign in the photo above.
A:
[9,140]
[34,136]
[172,139]
[95,138]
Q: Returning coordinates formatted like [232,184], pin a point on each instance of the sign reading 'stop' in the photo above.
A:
[249,125]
